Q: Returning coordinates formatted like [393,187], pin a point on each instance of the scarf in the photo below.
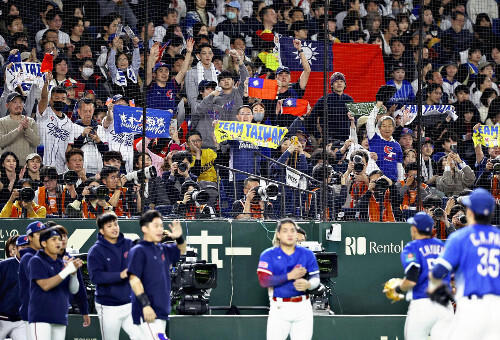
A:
[427,172]
[200,72]
[121,80]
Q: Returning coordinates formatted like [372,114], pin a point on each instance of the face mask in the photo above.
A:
[258,116]
[396,11]
[231,15]
[87,71]
[58,106]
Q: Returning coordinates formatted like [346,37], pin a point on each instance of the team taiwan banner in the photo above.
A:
[486,136]
[258,134]
[129,119]
[431,114]
[24,75]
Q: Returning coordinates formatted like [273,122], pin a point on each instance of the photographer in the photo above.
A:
[20,203]
[456,176]
[53,196]
[458,217]
[93,201]
[194,204]
[123,200]
[74,161]
[354,182]
[432,206]
[251,206]
[154,188]
[489,177]
[179,173]
[381,201]
[408,188]
[314,207]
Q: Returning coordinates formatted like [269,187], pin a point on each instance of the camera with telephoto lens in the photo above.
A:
[199,196]
[496,166]
[26,194]
[182,167]
[140,175]
[100,193]
[462,219]
[264,193]
[70,177]
[381,185]
[358,163]
[438,213]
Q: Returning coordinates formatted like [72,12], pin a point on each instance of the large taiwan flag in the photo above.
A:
[362,65]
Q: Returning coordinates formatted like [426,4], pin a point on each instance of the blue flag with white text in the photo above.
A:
[129,119]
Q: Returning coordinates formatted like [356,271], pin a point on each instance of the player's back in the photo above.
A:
[474,254]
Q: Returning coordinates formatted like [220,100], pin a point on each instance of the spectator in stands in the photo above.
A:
[178,175]
[53,196]
[124,72]
[229,28]
[200,14]
[190,209]
[409,156]
[351,6]
[14,24]
[406,139]
[32,169]
[381,201]
[352,28]
[123,200]
[54,21]
[299,30]
[408,188]
[463,37]
[154,189]
[449,73]
[74,161]
[486,98]
[389,152]
[18,132]
[434,94]
[468,72]
[315,23]
[399,57]
[92,82]
[204,159]
[122,8]
[332,33]
[442,227]
[204,70]
[354,181]
[224,104]
[429,166]
[390,29]
[456,175]
[112,158]
[9,174]
[91,206]
[251,205]
[449,141]
[89,141]
[404,93]
[457,214]
[462,93]
[315,207]
[15,208]
[482,82]
[76,29]
[293,157]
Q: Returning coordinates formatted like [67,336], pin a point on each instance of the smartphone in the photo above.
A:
[453,148]
[173,124]
[119,30]
[129,32]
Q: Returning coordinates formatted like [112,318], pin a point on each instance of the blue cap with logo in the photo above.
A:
[282,69]
[34,227]
[422,221]
[234,4]
[22,240]
[159,65]
[480,201]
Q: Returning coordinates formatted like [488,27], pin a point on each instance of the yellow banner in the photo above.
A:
[486,135]
[258,134]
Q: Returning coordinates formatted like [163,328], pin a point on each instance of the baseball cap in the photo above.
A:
[22,240]
[398,66]
[337,76]
[206,83]
[482,65]
[422,221]
[175,146]
[51,232]
[480,201]
[234,4]
[159,65]
[33,155]
[406,131]
[25,55]
[13,96]
[282,69]
[427,140]
[34,227]
[337,144]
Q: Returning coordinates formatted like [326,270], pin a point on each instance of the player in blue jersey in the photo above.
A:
[288,272]
[424,316]
[107,266]
[149,273]
[51,282]
[33,231]
[11,324]
[473,254]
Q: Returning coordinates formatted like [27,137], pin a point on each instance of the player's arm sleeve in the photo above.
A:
[173,252]
[266,275]
[81,293]
[449,259]
[74,285]
[136,262]
[410,264]
[97,272]
[313,271]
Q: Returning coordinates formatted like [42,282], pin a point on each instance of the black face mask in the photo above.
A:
[58,106]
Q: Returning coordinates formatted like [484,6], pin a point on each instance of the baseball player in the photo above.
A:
[283,269]
[50,287]
[149,272]
[33,231]
[10,321]
[473,254]
[424,316]
[107,266]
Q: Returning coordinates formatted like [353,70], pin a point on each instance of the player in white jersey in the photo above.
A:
[55,128]
[122,142]
[473,254]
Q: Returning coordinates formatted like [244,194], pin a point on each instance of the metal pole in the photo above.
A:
[144,96]
[326,45]
[419,100]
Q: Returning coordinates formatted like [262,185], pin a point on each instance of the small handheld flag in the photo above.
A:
[295,107]
[262,88]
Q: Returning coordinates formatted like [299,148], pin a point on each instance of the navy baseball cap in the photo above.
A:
[22,240]
[422,221]
[282,69]
[51,232]
[160,65]
[406,131]
[480,201]
[206,83]
[12,96]
[34,227]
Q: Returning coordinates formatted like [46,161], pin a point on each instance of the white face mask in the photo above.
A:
[258,116]
[87,71]
[231,15]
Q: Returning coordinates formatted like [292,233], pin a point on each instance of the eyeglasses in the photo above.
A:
[122,59]
[196,141]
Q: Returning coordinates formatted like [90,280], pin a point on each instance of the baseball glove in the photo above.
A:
[390,292]
[441,295]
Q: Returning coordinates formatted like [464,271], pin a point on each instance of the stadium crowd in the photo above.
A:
[58,138]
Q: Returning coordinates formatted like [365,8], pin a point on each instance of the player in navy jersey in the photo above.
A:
[389,152]
[424,316]
[149,273]
[473,254]
[11,324]
[288,272]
